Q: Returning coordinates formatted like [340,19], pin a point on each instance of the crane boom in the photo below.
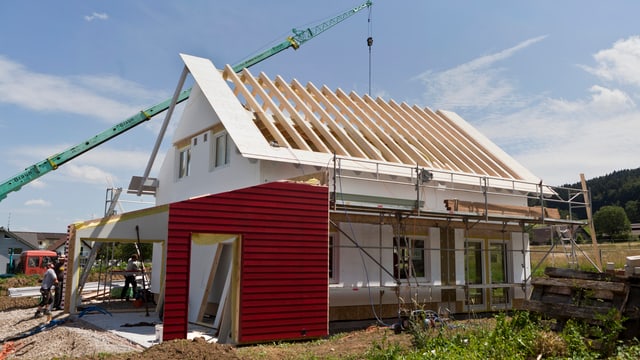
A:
[41,168]
[300,37]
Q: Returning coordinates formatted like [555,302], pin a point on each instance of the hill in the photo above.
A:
[619,188]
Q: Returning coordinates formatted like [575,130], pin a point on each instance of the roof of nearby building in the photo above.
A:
[35,238]
[287,121]
[18,238]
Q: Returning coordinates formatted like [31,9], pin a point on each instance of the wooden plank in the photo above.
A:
[397,137]
[284,95]
[429,137]
[212,275]
[617,287]
[552,213]
[380,137]
[565,311]
[560,290]
[417,115]
[576,274]
[364,147]
[253,104]
[279,117]
[341,137]
[476,156]
[375,146]
[592,230]
[478,147]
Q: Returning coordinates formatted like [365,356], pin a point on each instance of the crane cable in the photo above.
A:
[370,43]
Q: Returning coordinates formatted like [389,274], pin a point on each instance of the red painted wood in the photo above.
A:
[284,259]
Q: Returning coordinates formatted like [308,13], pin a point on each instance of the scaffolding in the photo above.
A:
[469,202]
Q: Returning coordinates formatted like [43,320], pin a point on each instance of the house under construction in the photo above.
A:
[282,207]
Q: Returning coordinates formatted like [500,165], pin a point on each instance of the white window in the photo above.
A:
[220,150]
[184,162]
[409,256]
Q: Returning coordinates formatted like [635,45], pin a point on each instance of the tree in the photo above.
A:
[612,221]
[632,208]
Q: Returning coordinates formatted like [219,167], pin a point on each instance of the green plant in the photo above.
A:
[573,334]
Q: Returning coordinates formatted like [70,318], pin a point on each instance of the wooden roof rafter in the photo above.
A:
[365,126]
[338,131]
[442,142]
[477,157]
[355,136]
[253,104]
[473,161]
[428,140]
[285,104]
[372,122]
[400,137]
[279,118]
[473,143]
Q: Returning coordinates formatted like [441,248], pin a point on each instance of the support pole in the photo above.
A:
[144,282]
[592,230]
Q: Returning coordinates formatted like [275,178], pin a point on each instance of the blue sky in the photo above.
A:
[556,84]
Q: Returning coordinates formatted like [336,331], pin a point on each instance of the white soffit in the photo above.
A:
[151,222]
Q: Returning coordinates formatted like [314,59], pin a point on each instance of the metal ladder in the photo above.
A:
[112,200]
[568,244]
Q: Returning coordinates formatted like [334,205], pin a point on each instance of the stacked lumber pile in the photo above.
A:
[573,294]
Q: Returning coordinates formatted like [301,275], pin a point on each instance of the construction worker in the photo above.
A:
[59,269]
[130,277]
[49,280]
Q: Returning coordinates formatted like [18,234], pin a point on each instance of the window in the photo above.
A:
[220,150]
[184,162]
[474,272]
[409,258]
[498,264]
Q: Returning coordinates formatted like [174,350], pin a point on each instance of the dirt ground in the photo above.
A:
[74,338]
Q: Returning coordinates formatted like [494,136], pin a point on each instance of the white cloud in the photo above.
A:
[88,174]
[80,95]
[38,184]
[619,63]
[37,202]
[477,83]
[95,15]
[555,138]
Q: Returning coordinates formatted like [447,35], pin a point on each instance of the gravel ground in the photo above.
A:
[72,338]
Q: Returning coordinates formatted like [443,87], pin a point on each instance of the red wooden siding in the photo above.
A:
[284,259]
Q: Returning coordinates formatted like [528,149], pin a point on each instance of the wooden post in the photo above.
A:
[592,230]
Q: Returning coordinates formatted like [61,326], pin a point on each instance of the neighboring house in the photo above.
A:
[41,240]
[15,242]
[10,248]
[282,207]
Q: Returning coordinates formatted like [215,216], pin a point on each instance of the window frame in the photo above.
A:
[409,250]
[182,170]
[215,149]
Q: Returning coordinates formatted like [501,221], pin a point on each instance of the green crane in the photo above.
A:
[41,168]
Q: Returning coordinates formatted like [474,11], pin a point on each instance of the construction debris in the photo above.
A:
[573,294]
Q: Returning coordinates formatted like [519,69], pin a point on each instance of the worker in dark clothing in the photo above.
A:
[49,281]
[130,277]
[59,269]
